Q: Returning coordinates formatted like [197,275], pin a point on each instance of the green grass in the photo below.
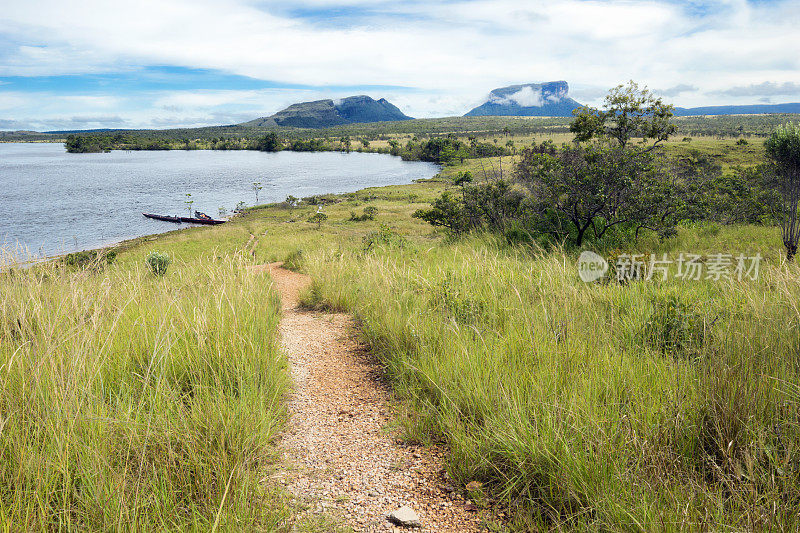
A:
[130,401]
[138,402]
[644,406]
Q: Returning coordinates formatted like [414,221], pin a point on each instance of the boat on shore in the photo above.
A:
[199,218]
[165,218]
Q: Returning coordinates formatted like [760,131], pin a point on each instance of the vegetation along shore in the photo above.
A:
[146,387]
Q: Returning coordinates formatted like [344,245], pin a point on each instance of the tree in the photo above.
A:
[628,112]
[269,143]
[188,201]
[256,188]
[597,187]
[344,143]
[783,152]
[318,219]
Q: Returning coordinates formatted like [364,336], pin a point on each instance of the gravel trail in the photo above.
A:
[344,462]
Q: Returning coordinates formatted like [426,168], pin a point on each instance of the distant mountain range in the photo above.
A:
[325,113]
[759,109]
[529,100]
[551,99]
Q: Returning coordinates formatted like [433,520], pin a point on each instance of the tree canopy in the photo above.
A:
[629,112]
[783,152]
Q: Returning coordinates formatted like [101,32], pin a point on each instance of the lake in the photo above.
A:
[54,202]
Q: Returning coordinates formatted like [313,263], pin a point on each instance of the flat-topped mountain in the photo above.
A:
[529,100]
[325,113]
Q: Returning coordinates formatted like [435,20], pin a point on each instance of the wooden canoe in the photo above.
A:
[165,218]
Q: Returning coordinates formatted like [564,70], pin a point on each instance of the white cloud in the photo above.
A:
[525,97]
[452,53]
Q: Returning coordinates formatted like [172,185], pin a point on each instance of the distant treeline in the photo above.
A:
[444,149]
[482,127]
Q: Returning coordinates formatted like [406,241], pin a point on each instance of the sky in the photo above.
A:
[83,64]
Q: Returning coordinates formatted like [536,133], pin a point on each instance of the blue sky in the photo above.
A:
[170,63]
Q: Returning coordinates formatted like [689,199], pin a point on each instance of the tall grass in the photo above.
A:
[138,402]
[646,406]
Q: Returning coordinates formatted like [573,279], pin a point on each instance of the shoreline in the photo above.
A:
[83,226]
[129,242]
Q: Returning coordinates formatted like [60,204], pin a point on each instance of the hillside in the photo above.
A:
[529,100]
[326,113]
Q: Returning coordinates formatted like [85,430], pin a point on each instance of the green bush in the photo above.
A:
[369,214]
[158,263]
[90,259]
[676,327]
[385,237]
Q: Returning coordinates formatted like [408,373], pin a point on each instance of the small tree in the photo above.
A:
[318,219]
[628,112]
[783,151]
[291,201]
[256,188]
[188,201]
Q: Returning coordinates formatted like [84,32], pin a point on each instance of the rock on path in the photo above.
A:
[343,461]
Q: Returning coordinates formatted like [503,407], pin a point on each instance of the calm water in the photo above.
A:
[55,202]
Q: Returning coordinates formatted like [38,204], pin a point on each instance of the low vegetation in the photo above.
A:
[613,406]
[139,402]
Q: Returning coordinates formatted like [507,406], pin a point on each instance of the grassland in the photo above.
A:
[136,402]
[650,405]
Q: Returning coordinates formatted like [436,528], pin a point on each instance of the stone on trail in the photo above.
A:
[405,516]
[473,486]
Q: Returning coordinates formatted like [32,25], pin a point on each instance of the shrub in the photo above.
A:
[369,214]
[158,263]
[676,327]
[385,237]
[90,259]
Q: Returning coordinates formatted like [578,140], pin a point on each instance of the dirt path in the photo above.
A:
[346,463]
